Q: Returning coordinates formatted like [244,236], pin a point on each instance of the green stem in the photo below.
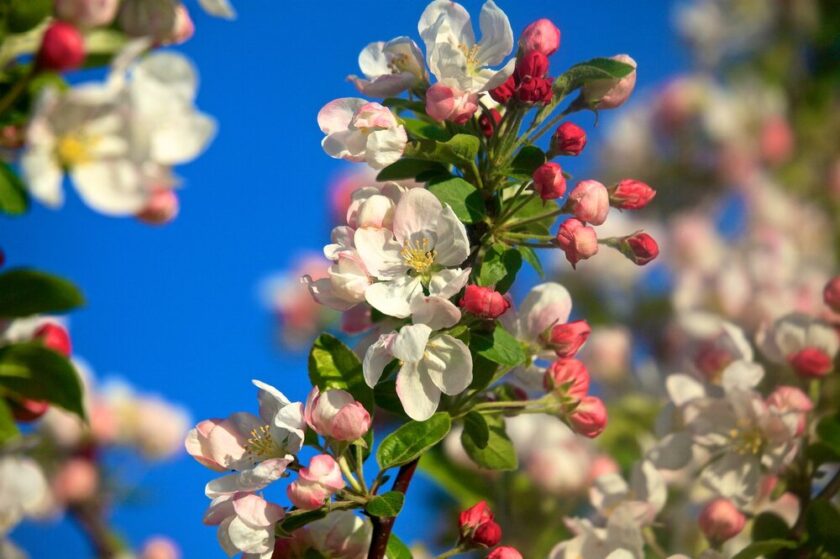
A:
[527,220]
[360,468]
[513,207]
[345,469]
[549,125]
[451,553]
[16,90]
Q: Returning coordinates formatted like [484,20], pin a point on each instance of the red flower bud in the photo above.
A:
[471,518]
[477,527]
[489,121]
[577,241]
[569,377]
[504,552]
[811,362]
[568,139]
[631,194]
[533,65]
[590,417]
[484,302]
[25,410]
[831,294]
[535,90]
[504,92]
[62,48]
[487,534]
[567,339]
[542,36]
[55,337]
[549,181]
[161,208]
[721,520]
[640,247]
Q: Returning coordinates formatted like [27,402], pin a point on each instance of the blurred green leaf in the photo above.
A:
[530,256]
[823,522]
[397,549]
[459,150]
[8,427]
[459,483]
[499,267]
[476,426]
[24,15]
[527,161]
[766,547]
[498,453]
[595,69]
[769,526]
[499,347]
[410,169]
[24,292]
[14,199]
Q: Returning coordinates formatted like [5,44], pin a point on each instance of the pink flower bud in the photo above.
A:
[484,302]
[161,208]
[26,410]
[446,103]
[533,65]
[473,517]
[316,484]
[776,140]
[569,377]
[631,194]
[503,93]
[541,36]
[183,29]
[487,534]
[489,121]
[590,417]
[603,465]
[336,415]
[640,247]
[62,48]
[577,241]
[831,294]
[75,481]
[568,139]
[791,400]
[504,552]
[590,202]
[535,90]
[86,13]
[567,339]
[55,337]
[549,181]
[721,520]
[610,93]
[811,362]
[159,547]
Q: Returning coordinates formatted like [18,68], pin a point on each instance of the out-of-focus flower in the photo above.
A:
[55,337]
[484,302]
[611,93]
[246,524]
[218,8]
[720,520]
[143,18]
[541,36]
[335,414]
[831,294]
[607,353]
[791,400]
[808,345]
[577,240]
[161,208]
[620,538]
[589,201]
[76,481]
[87,13]
[183,27]
[589,418]
[316,483]
[23,490]
[549,181]
[568,139]
[62,48]
[504,552]
[359,130]
[160,547]
[489,121]
[390,68]
[340,534]
[645,495]
[452,53]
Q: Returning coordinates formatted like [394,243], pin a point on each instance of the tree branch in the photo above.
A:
[382,526]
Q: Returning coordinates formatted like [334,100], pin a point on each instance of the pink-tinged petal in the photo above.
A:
[380,253]
[435,312]
[447,283]
[256,511]
[410,342]
[322,291]
[448,364]
[249,539]
[417,393]
[385,147]
[346,144]
[453,245]
[197,447]
[254,479]
[546,305]
[416,217]
[219,509]
[336,115]
[342,240]
[307,495]
[377,357]
[372,60]
[440,102]
[226,441]
[393,298]
[384,86]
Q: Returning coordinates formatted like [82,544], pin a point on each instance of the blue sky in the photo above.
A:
[175,310]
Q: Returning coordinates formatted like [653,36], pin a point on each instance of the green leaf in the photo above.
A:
[38,373]
[410,169]
[533,208]
[823,520]
[766,547]
[828,429]
[768,526]
[25,292]
[397,549]
[333,365]
[411,440]
[591,70]
[821,453]
[459,483]
[385,395]
[498,453]
[24,15]
[8,427]
[477,428]
[527,161]
[386,505]
[312,553]
[529,255]
[401,104]
[499,347]
[464,199]
[499,267]
[13,197]
[459,150]
[300,519]
[424,130]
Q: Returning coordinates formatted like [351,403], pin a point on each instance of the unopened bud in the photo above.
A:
[590,202]
[577,241]
[161,208]
[484,302]
[568,139]
[55,337]
[567,339]
[831,294]
[569,377]
[549,181]
[541,36]
[639,247]
[611,92]
[631,194]
[721,520]
[811,362]
[504,552]
[590,417]
[62,48]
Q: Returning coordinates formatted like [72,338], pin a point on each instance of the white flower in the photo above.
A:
[645,496]
[246,524]
[23,490]
[807,344]
[431,362]
[427,245]
[390,67]
[218,8]
[359,130]
[620,539]
[453,55]
[340,534]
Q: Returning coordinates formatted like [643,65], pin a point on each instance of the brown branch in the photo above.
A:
[90,518]
[382,526]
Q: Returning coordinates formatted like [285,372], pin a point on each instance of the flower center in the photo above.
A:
[746,439]
[261,444]
[398,63]
[75,149]
[418,255]
[471,55]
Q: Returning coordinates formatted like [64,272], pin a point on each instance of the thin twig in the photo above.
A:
[382,526]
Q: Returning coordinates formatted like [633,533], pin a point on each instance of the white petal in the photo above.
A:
[384,147]
[735,477]
[410,342]
[648,485]
[372,60]
[496,35]
[448,364]
[247,538]
[377,357]
[380,253]
[418,395]
[416,217]
[683,388]
[181,140]
[335,116]
[323,292]
[447,283]
[394,297]
[741,375]
[435,312]
[444,20]
[453,245]
[43,176]
[218,8]
[547,304]
[673,452]
[112,187]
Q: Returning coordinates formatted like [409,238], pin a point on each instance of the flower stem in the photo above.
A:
[345,469]
[16,90]
[382,526]
[359,468]
[527,220]
[451,553]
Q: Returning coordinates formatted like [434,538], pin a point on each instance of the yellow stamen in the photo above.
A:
[261,445]
[418,255]
[75,149]
[471,54]
[746,438]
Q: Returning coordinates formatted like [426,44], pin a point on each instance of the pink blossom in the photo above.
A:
[484,302]
[568,139]
[161,208]
[504,552]
[577,240]
[590,202]
[721,520]
[590,417]
[831,294]
[335,414]
[316,484]
[567,339]
[541,36]
[549,181]
[611,93]
[569,377]
[160,547]
[448,103]
[55,337]
[631,194]
[75,481]
[790,400]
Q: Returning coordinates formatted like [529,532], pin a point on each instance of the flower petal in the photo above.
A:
[448,364]
[410,343]
[377,357]
[394,297]
[435,312]
[416,217]
[417,393]
[453,245]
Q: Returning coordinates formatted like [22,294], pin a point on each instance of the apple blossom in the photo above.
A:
[568,139]
[159,547]
[630,194]
[425,249]
[218,8]
[589,202]
[55,337]
[530,81]
[549,181]
[316,483]
[831,294]
[589,418]
[335,414]
[183,27]
[77,480]
[484,302]
[721,520]
[791,400]
[644,496]
[246,524]
[610,93]
[541,36]
[452,53]
[577,241]
[431,363]
[341,534]
[345,285]
[569,377]
[87,13]
[359,130]
[62,48]
[504,552]
[808,345]
[390,68]
[567,339]
[621,538]
[446,103]
[23,489]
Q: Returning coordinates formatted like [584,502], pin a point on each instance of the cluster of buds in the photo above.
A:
[478,529]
